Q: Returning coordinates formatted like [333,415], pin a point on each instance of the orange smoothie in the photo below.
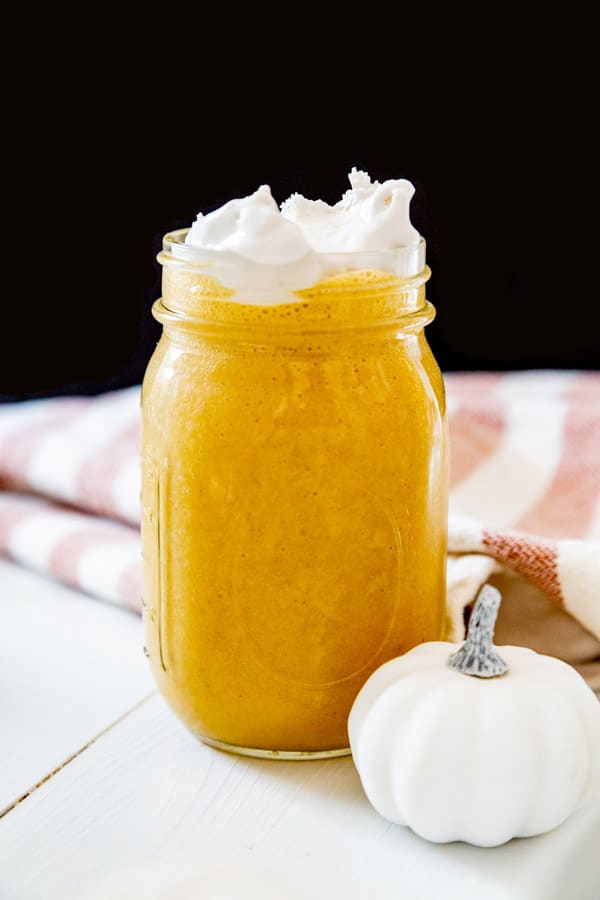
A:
[294,503]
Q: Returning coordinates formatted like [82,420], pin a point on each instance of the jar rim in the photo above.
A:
[403,261]
[408,321]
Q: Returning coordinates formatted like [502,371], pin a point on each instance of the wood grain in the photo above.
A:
[146,795]
[69,667]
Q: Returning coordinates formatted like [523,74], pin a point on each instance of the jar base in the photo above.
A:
[293,755]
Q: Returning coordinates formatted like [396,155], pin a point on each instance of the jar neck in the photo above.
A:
[357,300]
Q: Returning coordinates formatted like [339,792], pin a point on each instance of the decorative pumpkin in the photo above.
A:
[462,744]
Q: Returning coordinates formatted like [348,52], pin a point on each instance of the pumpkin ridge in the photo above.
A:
[390,706]
[590,729]
[437,711]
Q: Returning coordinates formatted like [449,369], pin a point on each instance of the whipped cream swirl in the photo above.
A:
[250,243]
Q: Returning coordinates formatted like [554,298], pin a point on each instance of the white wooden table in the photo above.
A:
[103,791]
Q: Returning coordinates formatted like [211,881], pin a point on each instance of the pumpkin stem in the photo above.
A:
[478,656]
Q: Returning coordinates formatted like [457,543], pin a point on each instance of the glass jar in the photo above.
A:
[294,457]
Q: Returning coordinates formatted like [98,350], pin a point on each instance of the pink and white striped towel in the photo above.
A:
[525,501]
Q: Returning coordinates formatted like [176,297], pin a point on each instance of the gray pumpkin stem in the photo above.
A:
[478,656]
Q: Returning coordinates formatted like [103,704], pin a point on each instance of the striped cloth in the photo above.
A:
[525,501]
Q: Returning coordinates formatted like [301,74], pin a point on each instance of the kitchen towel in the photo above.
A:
[524,501]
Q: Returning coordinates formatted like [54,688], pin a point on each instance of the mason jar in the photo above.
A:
[294,457]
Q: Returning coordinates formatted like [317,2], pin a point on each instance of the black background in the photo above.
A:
[496,130]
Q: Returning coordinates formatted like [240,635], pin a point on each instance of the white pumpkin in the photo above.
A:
[476,759]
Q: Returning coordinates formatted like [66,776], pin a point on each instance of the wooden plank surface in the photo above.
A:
[147,798]
[69,667]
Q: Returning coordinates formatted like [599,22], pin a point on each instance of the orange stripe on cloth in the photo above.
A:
[536,559]
[19,447]
[66,555]
[96,476]
[568,506]
[477,425]
[11,514]
[469,384]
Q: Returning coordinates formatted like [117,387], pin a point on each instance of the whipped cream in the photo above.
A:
[252,227]
[370,216]
[251,244]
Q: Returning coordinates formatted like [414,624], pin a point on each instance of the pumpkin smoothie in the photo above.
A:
[294,489]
